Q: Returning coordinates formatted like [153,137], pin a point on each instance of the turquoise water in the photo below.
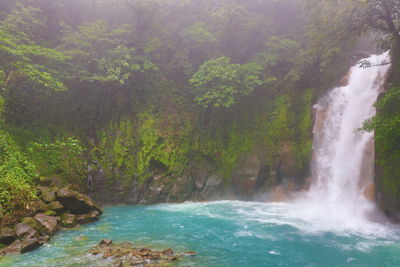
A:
[225,233]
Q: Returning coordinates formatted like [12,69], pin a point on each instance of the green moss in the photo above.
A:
[278,127]
[303,145]
[134,146]
[224,147]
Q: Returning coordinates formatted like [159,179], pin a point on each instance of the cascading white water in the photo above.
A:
[342,165]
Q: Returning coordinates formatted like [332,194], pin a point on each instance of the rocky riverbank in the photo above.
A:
[125,254]
[55,209]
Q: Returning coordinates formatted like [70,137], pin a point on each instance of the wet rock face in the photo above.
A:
[251,178]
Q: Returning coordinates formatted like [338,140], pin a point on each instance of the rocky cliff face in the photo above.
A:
[252,179]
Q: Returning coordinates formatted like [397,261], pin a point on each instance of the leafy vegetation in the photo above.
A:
[219,83]
[17,177]
[132,89]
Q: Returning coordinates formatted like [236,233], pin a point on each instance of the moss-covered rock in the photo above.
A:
[47,194]
[50,213]
[68,220]
[31,222]
[55,206]
[39,206]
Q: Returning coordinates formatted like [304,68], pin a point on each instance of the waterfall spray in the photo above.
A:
[343,156]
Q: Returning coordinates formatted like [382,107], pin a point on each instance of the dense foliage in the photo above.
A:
[132,87]
[17,177]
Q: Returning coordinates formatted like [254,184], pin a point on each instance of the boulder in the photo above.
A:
[49,222]
[14,248]
[39,206]
[68,220]
[29,244]
[76,202]
[47,194]
[21,246]
[31,222]
[50,213]
[56,206]
[22,229]
[7,236]
[87,218]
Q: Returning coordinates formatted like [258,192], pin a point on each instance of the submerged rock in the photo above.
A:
[105,242]
[126,254]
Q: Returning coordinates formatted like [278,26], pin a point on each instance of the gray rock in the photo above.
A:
[22,229]
[49,222]
[47,194]
[29,244]
[7,236]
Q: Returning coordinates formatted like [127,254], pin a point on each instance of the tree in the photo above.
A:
[99,53]
[219,83]
[21,59]
[359,16]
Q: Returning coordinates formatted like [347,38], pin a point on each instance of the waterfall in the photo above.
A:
[342,165]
